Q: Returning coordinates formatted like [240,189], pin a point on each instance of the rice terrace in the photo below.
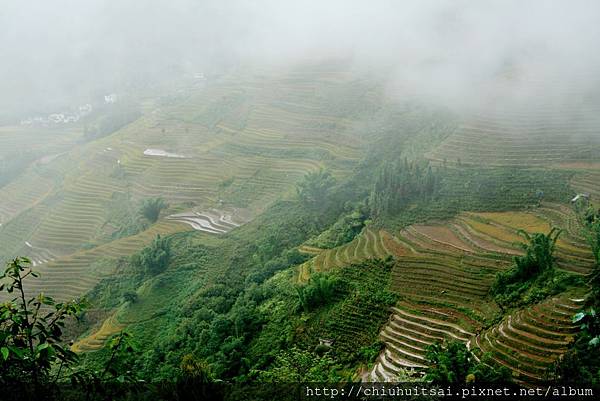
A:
[299,202]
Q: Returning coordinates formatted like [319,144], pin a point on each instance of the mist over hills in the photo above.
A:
[275,191]
[443,50]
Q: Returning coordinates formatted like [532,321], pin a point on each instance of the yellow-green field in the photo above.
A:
[244,140]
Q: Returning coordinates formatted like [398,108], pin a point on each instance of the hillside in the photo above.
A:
[411,215]
[223,144]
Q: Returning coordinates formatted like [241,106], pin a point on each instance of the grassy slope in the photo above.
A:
[248,143]
[247,140]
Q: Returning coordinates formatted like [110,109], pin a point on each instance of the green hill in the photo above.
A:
[253,270]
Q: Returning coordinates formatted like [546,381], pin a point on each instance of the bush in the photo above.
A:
[344,230]
[298,366]
[314,190]
[151,208]
[533,276]
[154,258]
[454,364]
[130,296]
[31,331]
[319,291]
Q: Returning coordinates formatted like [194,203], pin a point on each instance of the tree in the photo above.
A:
[450,363]
[194,370]
[31,329]
[590,220]
[581,364]
[454,364]
[194,379]
[399,183]
[116,368]
[154,258]
[314,189]
[299,366]
[34,355]
[319,291]
[539,252]
[130,296]
[537,262]
[150,208]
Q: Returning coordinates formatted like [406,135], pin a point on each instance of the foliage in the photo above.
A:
[130,296]
[354,317]
[116,368]
[195,370]
[538,258]
[581,364]
[31,331]
[397,184]
[319,291]
[154,258]
[289,258]
[150,208]
[33,355]
[343,230]
[314,190]
[480,189]
[590,325]
[533,276]
[125,216]
[300,366]
[590,220]
[592,223]
[370,353]
[454,364]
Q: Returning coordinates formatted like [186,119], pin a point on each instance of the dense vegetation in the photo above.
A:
[253,305]
[150,208]
[454,364]
[581,364]
[534,276]
[397,184]
[345,229]
[34,356]
[406,193]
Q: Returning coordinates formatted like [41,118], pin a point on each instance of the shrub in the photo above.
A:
[298,366]
[532,273]
[314,189]
[31,331]
[150,208]
[319,291]
[454,364]
[130,296]
[154,258]
[344,230]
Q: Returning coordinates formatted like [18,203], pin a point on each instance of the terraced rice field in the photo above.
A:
[39,141]
[244,145]
[69,277]
[18,196]
[529,341]
[544,133]
[212,221]
[443,274]
[410,330]
[96,340]
[369,244]
[588,182]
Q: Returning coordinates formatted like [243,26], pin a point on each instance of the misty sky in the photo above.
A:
[53,51]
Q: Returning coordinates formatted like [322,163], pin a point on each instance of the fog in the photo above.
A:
[458,53]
